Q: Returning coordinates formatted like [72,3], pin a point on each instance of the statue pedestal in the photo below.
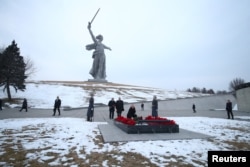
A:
[98,80]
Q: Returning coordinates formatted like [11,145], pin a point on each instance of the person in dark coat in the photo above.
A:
[57,106]
[155,107]
[90,112]
[24,105]
[1,104]
[119,107]
[131,112]
[229,109]
[111,108]
[142,106]
[193,107]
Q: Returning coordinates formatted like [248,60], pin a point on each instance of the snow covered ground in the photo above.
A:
[76,94]
[52,140]
[76,142]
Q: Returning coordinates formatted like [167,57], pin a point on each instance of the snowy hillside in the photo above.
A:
[41,94]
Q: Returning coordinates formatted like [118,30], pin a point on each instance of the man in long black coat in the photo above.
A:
[1,103]
[24,105]
[155,107]
[111,108]
[229,109]
[119,107]
[57,106]
[90,112]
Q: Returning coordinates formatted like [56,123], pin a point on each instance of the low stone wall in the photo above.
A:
[243,99]
[202,103]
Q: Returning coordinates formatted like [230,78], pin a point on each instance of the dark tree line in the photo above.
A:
[203,90]
[13,69]
[233,85]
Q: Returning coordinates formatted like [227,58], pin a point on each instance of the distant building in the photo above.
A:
[243,97]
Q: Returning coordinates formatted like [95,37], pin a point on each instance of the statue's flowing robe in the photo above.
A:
[98,70]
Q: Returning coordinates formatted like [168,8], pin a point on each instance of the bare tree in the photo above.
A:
[234,83]
[29,67]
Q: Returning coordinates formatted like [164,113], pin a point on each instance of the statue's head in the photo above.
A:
[99,37]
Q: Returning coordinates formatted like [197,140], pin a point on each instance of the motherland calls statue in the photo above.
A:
[98,70]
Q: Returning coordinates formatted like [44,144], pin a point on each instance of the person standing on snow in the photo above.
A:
[229,109]
[111,108]
[155,107]
[57,106]
[90,112]
[119,107]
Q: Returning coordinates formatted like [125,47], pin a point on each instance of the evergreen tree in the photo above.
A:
[204,91]
[196,90]
[12,69]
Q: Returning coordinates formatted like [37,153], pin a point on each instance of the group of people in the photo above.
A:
[115,105]
[119,108]
[57,105]
[229,109]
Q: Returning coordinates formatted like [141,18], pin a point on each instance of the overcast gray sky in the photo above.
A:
[171,44]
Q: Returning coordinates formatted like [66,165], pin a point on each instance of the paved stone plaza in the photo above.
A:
[212,106]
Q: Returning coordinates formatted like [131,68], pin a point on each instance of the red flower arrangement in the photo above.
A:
[162,121]
[165,121]
[124,120]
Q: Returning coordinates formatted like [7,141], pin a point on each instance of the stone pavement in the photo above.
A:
[111,133]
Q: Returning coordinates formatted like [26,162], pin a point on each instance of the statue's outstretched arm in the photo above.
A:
[91,33]
[106,47]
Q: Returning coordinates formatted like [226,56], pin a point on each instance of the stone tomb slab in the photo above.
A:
[111,133]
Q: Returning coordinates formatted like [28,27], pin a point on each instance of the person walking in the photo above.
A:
[155,107]
[90,112]
[229,109]
[119,107]
[57,106]
[193,107]
[111,108]
[24,105]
